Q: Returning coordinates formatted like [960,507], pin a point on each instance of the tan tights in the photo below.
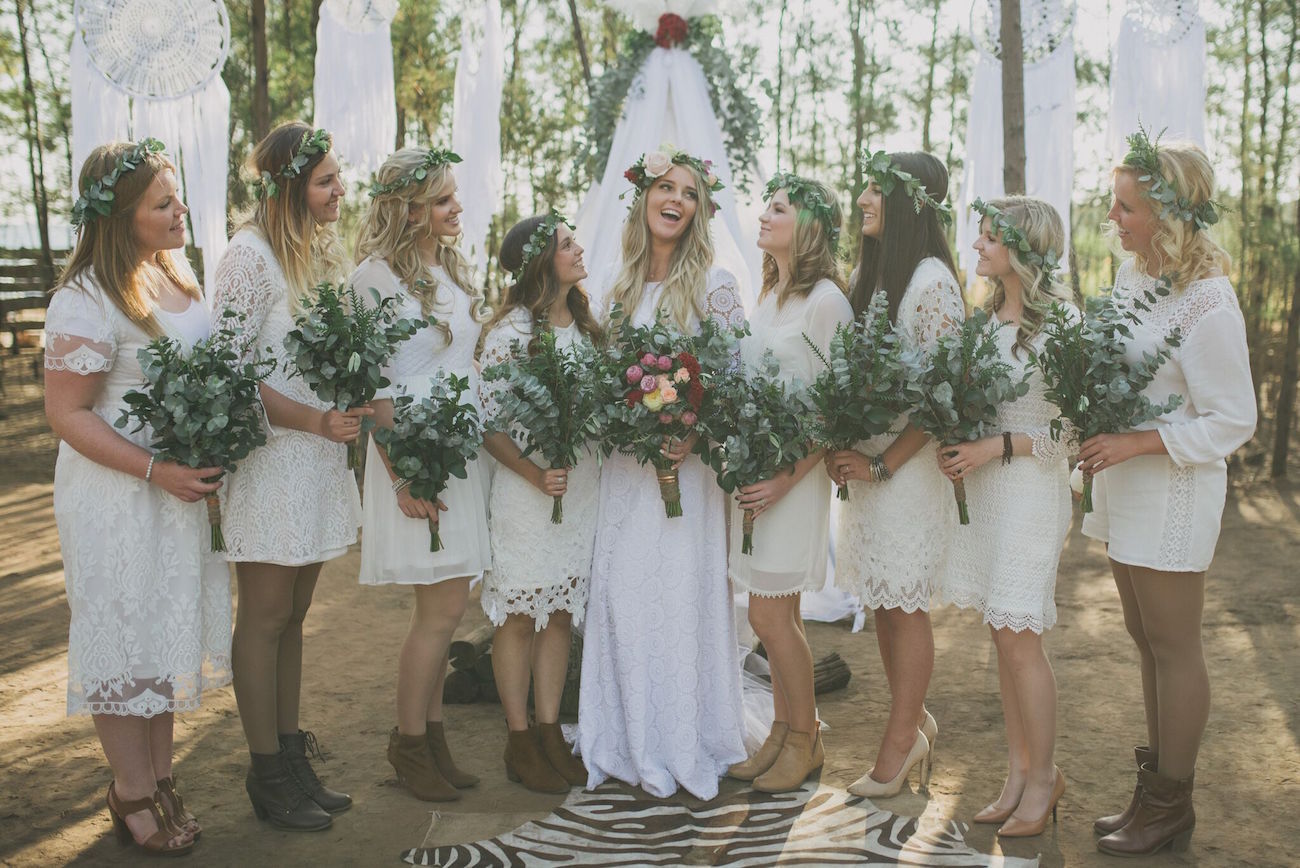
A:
[422,662]
[521,653]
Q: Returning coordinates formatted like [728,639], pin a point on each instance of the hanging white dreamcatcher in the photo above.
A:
[1164,22]
[363,16]
[155,49]
[1044,26]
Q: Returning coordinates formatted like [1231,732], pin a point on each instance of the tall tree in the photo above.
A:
[261,72]
[35,151]
[1285,415]
[581,45]
[1013,99]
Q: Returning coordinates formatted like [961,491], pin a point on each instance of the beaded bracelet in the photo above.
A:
[1006,447]
[879,472]
[148,471]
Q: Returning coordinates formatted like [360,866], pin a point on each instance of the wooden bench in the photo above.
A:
[25,282]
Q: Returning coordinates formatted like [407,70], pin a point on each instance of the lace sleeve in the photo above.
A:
[245,286]
[723,304]
[498,348]
[79,333]
[1049,449]
[937,310]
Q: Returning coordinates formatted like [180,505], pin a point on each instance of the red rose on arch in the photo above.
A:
[672,30]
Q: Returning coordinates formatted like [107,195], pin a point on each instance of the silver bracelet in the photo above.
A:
[879,472]
[148,471]
[400,484]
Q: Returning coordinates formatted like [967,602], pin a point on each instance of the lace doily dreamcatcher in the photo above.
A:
[1164,22]
[1044,25]
[155,49]
[362,16]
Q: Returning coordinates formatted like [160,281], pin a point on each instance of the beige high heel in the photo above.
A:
[868,787]
[1015,827]
[930,728]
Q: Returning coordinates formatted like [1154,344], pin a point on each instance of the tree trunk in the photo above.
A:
[35,151]
[64,121]
[261,76]
[857,31]
[1286,391]
[931,61]
[780,79]
[1013,100]
[581,44]
[1284,126]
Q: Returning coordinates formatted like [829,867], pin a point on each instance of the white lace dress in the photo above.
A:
[660,700]
[292,501]
[1164,511]
[537,567]
[395,547]
[1004,562]
[790,537]
[150,603]
[893,536]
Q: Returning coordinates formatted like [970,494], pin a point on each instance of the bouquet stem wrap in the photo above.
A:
[435,540]
[747,544]
[669,489]
[1087,491]
[842,492]
[557,505]
[354,453]
[214,521]
[959,492]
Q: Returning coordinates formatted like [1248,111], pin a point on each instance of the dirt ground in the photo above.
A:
[53,776]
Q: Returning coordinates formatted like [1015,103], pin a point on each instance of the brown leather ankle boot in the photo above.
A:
[1164,816]
[558,754]
[442,757]
[1115,822]
[526,763]
[411,759]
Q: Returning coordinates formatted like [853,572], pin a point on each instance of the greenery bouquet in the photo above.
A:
[960,386]
[865,386]
[432,439]
[201,404]
[1089,377]
[340,347]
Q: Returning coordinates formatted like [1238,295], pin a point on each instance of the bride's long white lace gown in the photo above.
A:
[660,701]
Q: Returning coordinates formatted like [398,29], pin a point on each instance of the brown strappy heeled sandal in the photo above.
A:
[160,843]
[171,799]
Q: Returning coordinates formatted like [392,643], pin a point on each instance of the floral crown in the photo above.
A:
[313,143]
[879,168]
[650,166]
[805,194]
[1014,239]
[97,201]
[540,237]
[1144,155]
[433,159]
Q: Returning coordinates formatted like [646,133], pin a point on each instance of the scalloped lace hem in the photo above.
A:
[1000,620]
[148,704]
[883,597]
[537,603]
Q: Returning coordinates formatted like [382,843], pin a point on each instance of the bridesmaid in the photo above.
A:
[1159,492]
[540,570]
[1004,562]
[407,251]
[150,605]
[803,296]
[293,503]
[660,701]
[894,531]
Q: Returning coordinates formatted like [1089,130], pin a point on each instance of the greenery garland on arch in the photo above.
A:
[736,109]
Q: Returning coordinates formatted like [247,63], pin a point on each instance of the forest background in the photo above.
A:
[830,76]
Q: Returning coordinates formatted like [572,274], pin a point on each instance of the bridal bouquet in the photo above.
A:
[432,439]
[1089,378]
[201,404]
[960,386]
[761,426]
[865,387]
[340,347]
[548,394]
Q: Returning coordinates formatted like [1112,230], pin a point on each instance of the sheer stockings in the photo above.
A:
[1028,689]
[422,662]
[521,655]
[907,652]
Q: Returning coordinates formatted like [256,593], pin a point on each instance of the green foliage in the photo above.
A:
[97,201]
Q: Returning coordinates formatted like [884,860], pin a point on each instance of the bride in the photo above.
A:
[660,701]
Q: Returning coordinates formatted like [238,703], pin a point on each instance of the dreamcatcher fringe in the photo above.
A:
[354,92]
[476,128]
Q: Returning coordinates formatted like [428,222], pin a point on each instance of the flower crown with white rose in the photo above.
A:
[651,166]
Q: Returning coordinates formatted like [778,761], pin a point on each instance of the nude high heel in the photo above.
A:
[868,787]
[1015,827]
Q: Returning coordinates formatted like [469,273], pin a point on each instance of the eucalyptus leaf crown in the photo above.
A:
[1144,156]
[540,237]
[652,165]
[434,158]
[879,168]
[97,201]
[1014,239]
[806,195]
[313,143]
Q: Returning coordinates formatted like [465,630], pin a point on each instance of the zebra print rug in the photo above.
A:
[620,826]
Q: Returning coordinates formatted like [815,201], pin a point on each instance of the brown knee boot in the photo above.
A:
[416,770]
[558,754]
[1115,822]
[526,763]
[1164,816]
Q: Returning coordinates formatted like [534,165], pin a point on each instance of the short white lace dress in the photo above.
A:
[1164,511]
[789,554]
[660,702]
[1004,562]
[893,536]
[292,501]
[537,567]
[150,603]
[394,546]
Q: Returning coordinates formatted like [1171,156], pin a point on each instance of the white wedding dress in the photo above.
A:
[660,705]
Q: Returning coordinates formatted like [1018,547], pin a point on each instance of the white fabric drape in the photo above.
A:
[354,91]
[1049,137]
[476,127]
[1157,76]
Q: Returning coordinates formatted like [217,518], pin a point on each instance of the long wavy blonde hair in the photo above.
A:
[107,246]
[307,252]
[688,269]
[812,253]
[1181,251]
[387,233]
[1039,289]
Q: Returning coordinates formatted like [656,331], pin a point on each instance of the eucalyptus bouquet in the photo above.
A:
[340,347]
[1089,378]
[866,384]
[548,394]
[761,426]
[432,439]
[202,404]
[960,386]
